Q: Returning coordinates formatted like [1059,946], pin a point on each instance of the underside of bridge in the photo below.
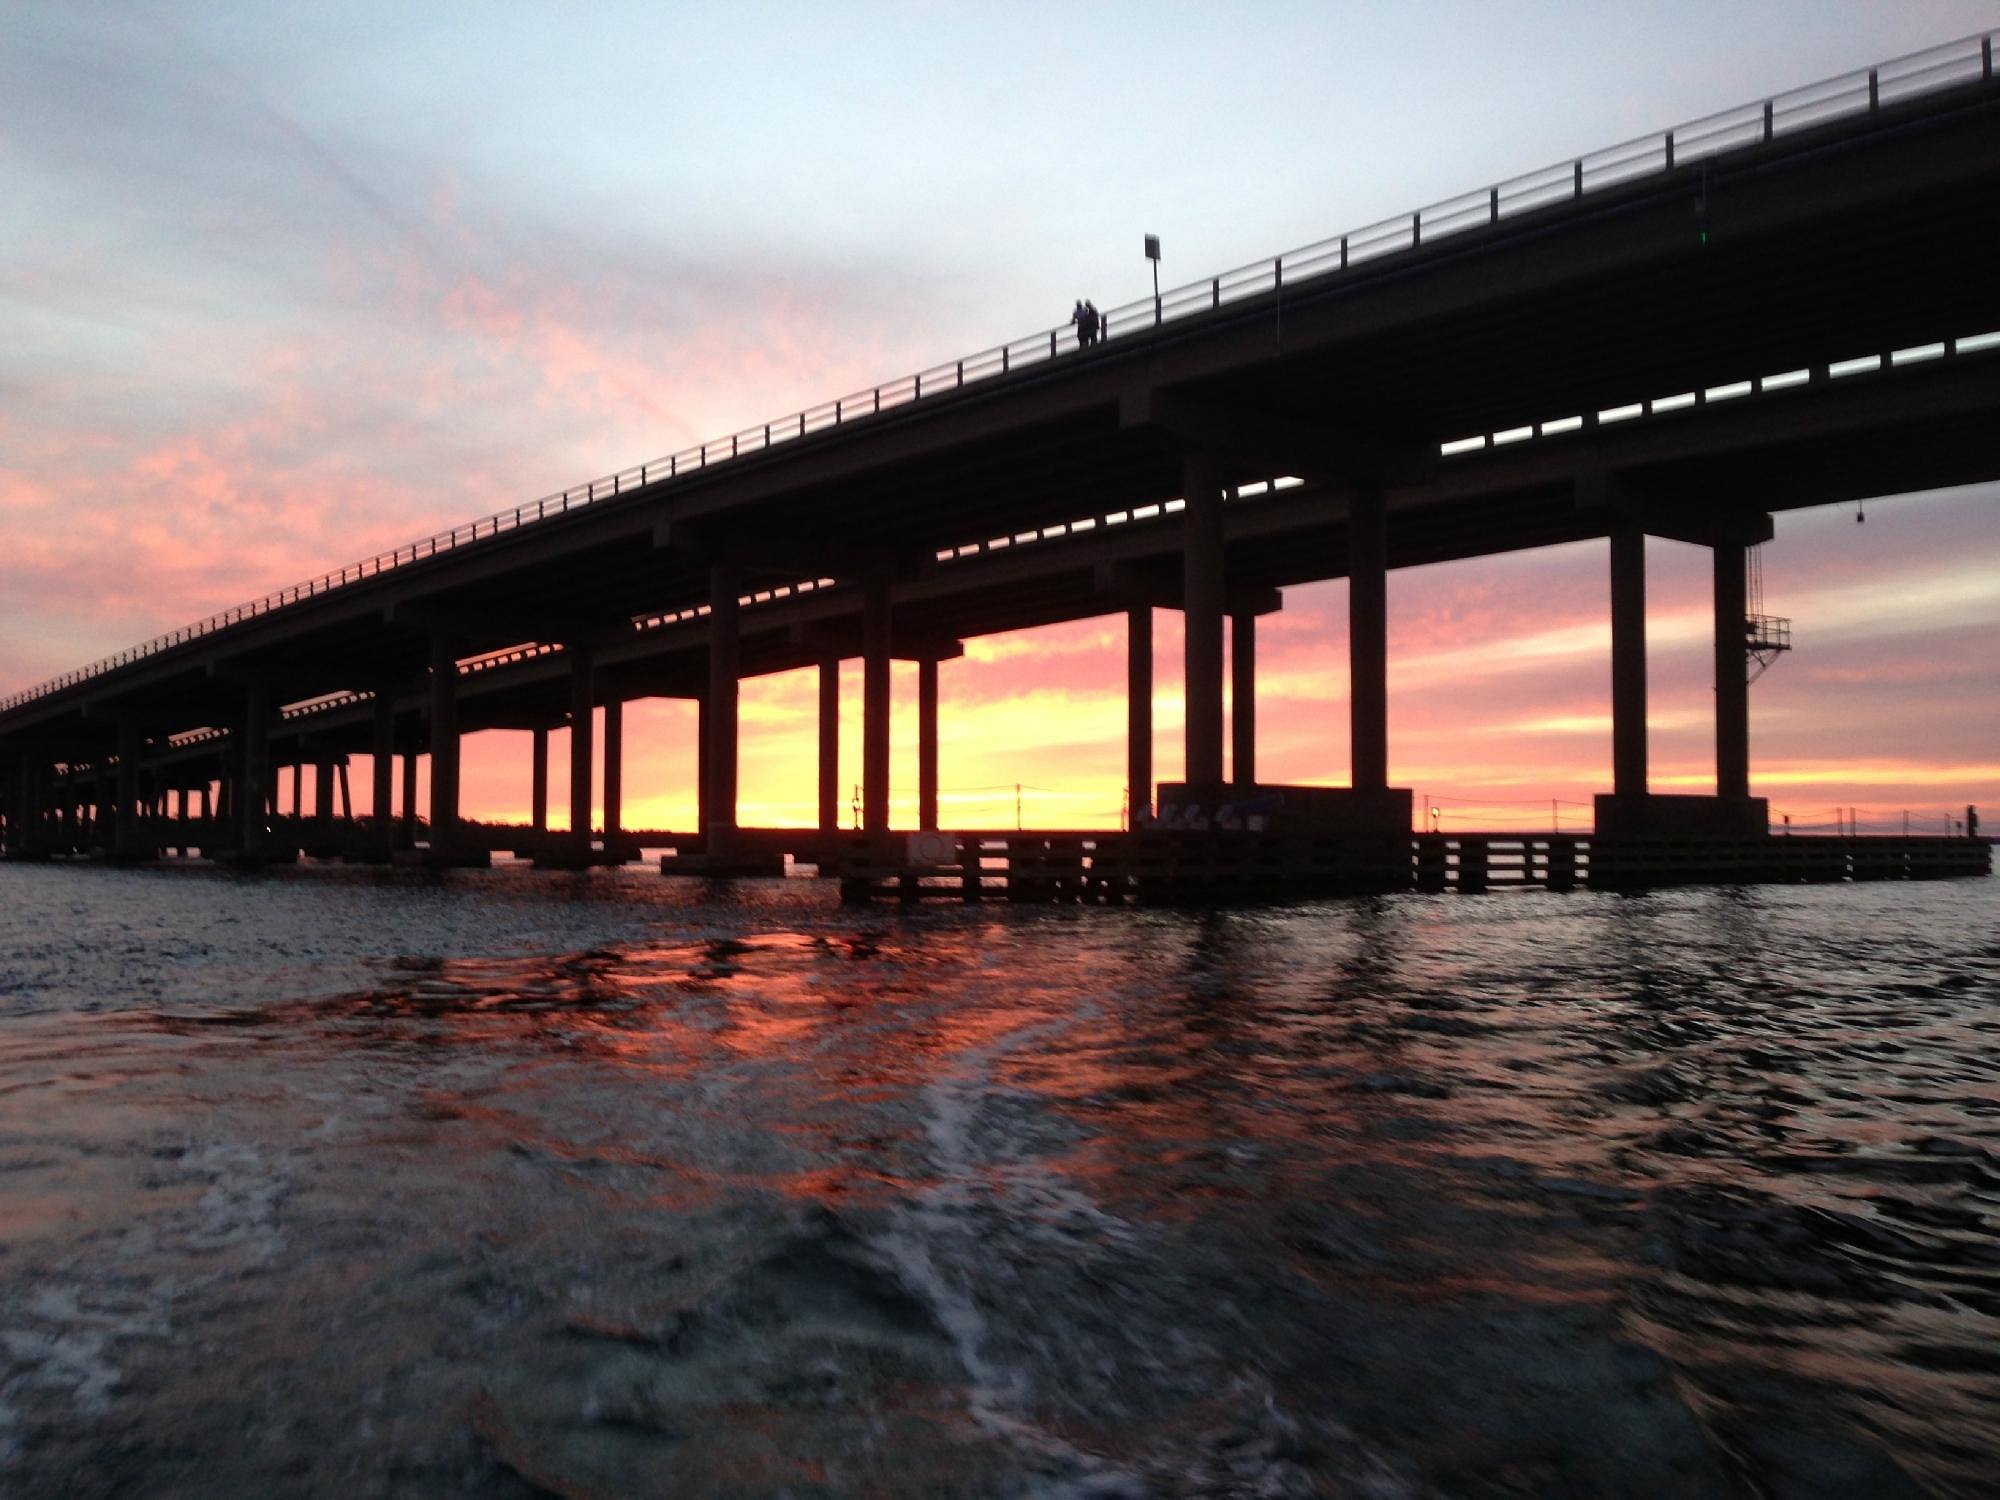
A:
[1792,322]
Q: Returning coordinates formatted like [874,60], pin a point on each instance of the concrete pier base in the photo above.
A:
[1287,809]
[444,859]
[255,859]
[565,854]
[1654,815]
[734,865]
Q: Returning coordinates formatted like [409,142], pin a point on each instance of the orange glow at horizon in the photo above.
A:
[1499,703]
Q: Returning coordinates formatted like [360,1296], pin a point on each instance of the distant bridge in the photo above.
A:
[1784,305]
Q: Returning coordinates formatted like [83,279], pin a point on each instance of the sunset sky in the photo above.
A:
[281,286]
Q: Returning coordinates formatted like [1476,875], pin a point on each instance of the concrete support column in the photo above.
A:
[323,770]
[725,647]
[1628,658]
[701,764]
[25,826]
[1243,700]
[252,789]
[346,792]
[538,797]
[1368,640]
[927,743]
[182,842]
[1732,674]
[614,767]
[875,637]
[1203,586]
[582,739]
[444,744]
[829,745]
[127,838]
[1139,710]
[409,798]
[382,773]
[299,787]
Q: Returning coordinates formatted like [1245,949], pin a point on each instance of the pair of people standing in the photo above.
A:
[1089,324]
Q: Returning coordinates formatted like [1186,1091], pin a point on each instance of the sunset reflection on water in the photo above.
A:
[636,1188]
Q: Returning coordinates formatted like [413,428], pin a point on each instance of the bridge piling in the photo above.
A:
[538,794]
[1139,710]
[719,734]
[875,703]
[1243,699]
[253,774]
[129,840]
[829,744]
[1628,658]
[582,747]
[407,838]
[322,819]
[927,742]
[1203,585]
[1368,638]
[614,771]
[382,774]
[1732,674]
[701,759]
[445,849]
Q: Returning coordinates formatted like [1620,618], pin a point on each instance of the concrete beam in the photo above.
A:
[774,558]
[1267,441]
[1635,496]
[842,640]
[1161,584]
[486,630]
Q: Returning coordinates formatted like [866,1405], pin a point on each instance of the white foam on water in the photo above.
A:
[936,1218]
[67,1347]
[239,1211]
[1041,1207]
[64,1340]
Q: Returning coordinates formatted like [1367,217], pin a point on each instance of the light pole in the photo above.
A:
[1153,254]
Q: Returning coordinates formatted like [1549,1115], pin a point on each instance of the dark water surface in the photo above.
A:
[506,1183]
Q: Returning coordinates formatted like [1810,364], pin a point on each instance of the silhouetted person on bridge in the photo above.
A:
[1088,320]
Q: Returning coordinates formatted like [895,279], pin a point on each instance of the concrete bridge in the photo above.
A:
[1785,305]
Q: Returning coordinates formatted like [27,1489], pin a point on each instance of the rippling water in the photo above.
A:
[508,1183]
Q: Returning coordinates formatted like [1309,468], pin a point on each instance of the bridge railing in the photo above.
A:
[1946,66]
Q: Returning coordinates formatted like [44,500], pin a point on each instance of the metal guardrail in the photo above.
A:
[1948,65]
